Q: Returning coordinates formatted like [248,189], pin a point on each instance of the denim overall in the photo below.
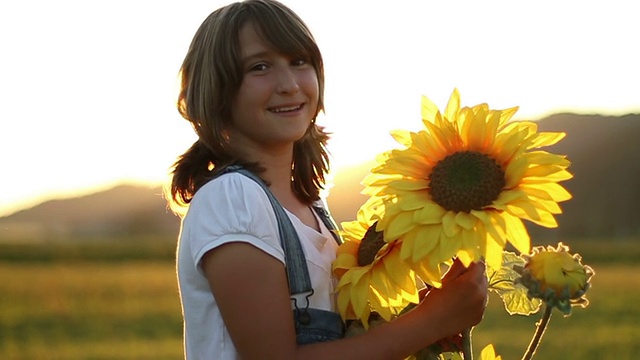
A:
[312,325]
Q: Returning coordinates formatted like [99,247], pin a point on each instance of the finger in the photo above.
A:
[478,272]
[456,269]
[482,270]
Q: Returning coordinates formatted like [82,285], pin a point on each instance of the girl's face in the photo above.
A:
[276,101]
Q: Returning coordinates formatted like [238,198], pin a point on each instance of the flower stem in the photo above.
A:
[541,327]
[467,348]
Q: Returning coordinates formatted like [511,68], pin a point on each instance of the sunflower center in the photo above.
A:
[465,181]
[371,243]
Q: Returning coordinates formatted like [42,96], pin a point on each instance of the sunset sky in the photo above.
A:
[87,88]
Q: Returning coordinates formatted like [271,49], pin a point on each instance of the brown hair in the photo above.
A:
[211,75]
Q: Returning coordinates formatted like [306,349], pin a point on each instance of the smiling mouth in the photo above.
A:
[286,109]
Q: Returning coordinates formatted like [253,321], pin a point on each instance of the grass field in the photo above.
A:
[120,301]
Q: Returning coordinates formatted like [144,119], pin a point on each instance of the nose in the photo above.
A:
[287,81]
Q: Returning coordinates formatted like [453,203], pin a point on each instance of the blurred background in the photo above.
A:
[89,130]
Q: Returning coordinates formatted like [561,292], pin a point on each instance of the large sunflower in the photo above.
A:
[462,185]
[372,277]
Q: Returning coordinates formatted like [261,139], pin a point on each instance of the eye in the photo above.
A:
[299,61]
[259,67]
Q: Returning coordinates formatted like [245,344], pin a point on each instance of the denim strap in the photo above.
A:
[323,214]
[295,261]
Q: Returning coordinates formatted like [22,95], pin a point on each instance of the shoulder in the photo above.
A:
[230,198]
[230,208]
[231,185]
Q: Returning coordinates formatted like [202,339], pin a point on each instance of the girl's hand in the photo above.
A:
[461,301]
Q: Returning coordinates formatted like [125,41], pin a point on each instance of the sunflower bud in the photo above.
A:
[556,277]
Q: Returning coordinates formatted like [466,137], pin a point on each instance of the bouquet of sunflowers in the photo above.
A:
[460,188]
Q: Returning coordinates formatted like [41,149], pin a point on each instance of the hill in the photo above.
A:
[604,150]
[124,210]
[605,161]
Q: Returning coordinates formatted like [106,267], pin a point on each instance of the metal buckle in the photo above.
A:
[303,316]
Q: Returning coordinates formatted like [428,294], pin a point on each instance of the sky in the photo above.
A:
[88,88]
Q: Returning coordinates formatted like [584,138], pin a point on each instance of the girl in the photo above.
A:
[252,86]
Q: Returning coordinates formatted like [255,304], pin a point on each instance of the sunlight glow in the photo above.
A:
[90,100]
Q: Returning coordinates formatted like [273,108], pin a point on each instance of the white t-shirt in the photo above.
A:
[234,208]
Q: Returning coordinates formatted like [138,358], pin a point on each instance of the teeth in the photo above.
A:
[283,109]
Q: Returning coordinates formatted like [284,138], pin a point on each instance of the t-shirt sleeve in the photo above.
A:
[231,208]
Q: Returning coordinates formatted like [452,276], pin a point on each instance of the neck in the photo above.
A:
[276,162]
[278,174]
[279,178]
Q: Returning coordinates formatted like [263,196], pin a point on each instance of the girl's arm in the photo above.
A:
[251,290]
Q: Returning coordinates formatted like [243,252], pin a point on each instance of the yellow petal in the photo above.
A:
[547,139]
[380,305]
[470,250]
[555,191]
[401,223]
[449,246]
[465,256]
[431,213]
[427,238]
[380,283]
[409,184]
[509,196]
[540,157]
[471,239]
[475,131]
[488,353]
[453,106]
[449,224]
[506,115]
[491,130]
[543,170]
[517,234]
[397,271]
[343,302]
[548,205]
[353,275]
[402,137]
[535,192]
[429,109]
[530,126]
[514,172]
[353,228]
[554,177]
[439,137]
[493,252]
[465,220]
[359,292]
[528,211]
[343,263]
[508,144]
[426,274]
[493,223]
[408,244]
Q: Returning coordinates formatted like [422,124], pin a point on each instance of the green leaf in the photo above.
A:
[516,302]
[514,296]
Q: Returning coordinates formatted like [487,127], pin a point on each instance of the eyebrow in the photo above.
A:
[254,56]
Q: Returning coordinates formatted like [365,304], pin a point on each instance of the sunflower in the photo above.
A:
[461,186]
[556,276]
[372,277]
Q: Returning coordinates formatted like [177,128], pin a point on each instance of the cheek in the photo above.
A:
[312,87]
[253,90]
